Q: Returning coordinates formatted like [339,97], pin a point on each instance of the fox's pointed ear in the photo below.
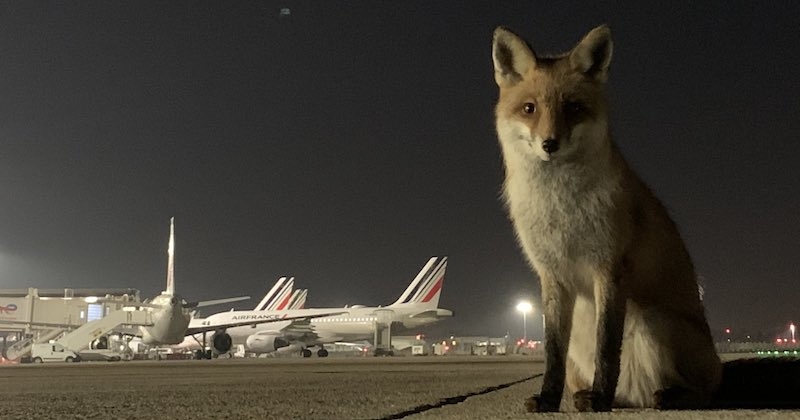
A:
[592,55]
[512,57]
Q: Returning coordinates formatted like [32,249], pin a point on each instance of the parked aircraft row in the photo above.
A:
[279,322]
[301,329]
[171,316]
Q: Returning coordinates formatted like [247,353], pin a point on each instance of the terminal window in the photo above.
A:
[95,311]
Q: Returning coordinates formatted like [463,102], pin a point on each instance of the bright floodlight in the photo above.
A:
[524,307]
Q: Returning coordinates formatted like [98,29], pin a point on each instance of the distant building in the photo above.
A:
[33,313]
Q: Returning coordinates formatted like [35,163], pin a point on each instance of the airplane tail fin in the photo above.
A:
[298,300]
[282,284]
[426,288]
[171,259]
[283,298]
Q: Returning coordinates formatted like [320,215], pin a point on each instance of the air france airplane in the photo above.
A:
[279,298]
[418,305]
[171,319]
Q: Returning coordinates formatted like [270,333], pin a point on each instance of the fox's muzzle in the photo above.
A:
[550,146]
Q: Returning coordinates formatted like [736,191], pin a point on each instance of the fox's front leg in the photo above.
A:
[610,314]
[558,306]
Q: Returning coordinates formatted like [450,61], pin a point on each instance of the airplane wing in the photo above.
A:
[186,305]
[298,329]
[301,331]
[433,313]
[190,305]
[205,326]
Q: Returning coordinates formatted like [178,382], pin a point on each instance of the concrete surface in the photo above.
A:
[332,388]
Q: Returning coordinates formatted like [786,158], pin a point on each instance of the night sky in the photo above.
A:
[349,141]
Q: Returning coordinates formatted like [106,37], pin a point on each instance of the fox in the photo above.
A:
[624,321]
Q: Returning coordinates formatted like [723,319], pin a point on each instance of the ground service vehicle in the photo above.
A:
[52,352]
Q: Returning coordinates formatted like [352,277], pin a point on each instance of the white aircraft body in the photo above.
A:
[417,306]
[172,321]
[280,297]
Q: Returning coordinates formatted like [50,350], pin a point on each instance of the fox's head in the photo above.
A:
[552,108]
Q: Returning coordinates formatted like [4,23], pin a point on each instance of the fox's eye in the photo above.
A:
[528,108]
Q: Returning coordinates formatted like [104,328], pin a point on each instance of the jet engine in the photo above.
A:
[265,343]
[221,342]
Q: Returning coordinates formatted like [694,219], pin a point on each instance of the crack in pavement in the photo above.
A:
[454,400]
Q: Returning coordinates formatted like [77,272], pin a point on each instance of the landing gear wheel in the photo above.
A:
[322,353]
[306,353]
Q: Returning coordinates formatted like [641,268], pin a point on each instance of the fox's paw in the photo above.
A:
[588,401]
[583,400]
[537,404]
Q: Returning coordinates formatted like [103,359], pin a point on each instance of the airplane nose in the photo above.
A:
[550,146]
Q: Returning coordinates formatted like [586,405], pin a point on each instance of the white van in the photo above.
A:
[52,352]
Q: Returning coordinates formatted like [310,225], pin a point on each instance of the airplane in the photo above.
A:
[171,317]
[416,306]
[279,298]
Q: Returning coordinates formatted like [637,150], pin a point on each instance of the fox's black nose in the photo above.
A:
[550,146]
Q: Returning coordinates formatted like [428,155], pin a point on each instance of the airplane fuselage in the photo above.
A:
[355,324]
[170,321]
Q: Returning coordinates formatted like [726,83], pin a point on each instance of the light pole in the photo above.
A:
[791,329]
[544,332]
[524,307]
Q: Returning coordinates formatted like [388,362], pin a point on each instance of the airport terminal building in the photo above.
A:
[40,315]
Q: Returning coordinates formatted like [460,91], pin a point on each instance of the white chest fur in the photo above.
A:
[562,211]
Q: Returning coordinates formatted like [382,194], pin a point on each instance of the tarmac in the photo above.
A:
[465,387]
